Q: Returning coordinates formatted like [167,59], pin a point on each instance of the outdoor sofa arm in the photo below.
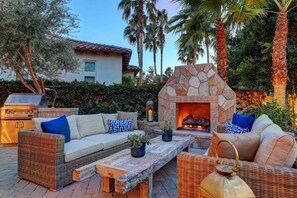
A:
[264,180]
[41,147]
[41,158]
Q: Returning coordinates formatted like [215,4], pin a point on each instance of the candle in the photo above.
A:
[150,115]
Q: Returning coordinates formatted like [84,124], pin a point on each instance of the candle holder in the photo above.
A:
[150,111]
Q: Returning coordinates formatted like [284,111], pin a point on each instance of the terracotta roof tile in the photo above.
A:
[133,68]
[84,45]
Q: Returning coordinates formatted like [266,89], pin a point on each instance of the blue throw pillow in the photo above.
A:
[115,126]
[57,126]
[234,129]
[244,121]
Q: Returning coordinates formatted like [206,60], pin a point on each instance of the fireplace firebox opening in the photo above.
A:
[193,116]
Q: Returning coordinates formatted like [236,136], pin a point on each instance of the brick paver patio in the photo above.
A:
[164,184]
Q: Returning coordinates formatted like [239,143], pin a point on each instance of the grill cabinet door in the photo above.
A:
[10,129]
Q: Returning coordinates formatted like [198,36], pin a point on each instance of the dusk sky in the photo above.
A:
[101,22]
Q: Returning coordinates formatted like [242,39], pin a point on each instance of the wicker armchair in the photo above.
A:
[264,180]
[41,159]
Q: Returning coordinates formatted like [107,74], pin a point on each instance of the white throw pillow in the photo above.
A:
[108,116]
[90,124]
[74,134]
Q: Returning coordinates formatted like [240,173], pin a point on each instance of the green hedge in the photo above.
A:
[91,98]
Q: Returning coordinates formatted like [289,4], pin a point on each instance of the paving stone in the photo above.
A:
[38,192]
[164,183]
[162,195]
[50,194]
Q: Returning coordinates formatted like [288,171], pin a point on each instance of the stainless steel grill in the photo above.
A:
[17,114]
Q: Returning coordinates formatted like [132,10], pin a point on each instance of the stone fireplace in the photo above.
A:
[196,98]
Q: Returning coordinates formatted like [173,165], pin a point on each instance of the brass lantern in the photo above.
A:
[224,182]
[150,111]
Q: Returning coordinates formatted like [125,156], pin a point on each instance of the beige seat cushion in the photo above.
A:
[261,123]
[129,115]
[74,134]
[276,147]
[78,148]
[108,116]
[125,134]
[90,124]
[108,140]
[246,145]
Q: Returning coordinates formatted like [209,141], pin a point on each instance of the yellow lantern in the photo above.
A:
[150,111]
[224,182]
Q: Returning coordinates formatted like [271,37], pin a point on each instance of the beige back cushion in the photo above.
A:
[246,145]
[276,147]
[108,116]
[129,115]
[74,134]
[90,124]
[261,123]
[37,123]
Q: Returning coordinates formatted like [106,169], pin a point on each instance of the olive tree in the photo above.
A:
[32,39]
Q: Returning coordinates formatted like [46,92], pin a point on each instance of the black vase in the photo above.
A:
[167,136]
[138,152]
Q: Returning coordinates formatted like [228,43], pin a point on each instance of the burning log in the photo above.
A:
[195,122]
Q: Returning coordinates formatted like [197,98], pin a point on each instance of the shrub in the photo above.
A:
[92,98]
[282,116]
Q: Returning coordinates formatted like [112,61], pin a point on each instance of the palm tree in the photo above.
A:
[182,22]
[231,12]
[151,37]
[190,48]
[136,8]
[279,60]
[131,32]
[151,43]
[162,18]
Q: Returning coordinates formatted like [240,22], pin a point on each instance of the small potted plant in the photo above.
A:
[167,132]
[138,143]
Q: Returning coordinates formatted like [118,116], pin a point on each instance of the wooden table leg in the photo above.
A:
[107,184]
[146,187]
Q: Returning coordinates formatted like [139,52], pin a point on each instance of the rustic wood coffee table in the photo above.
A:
[121,172]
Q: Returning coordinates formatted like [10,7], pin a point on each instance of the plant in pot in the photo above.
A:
[138,143]
[167,132]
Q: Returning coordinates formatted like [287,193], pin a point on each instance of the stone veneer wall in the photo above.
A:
[197,84]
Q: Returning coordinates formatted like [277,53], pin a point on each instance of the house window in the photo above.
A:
[90,66]
[90,79]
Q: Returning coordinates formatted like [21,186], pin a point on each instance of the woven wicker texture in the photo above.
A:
[41,159]
[264,180]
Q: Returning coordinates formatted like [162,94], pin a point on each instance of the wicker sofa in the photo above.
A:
[47,160]
[265,180]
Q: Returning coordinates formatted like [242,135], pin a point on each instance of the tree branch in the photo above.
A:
[19,75]
[30,69]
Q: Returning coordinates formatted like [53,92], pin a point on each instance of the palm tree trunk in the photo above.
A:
[207,46]
[161,65]
[279,61]
[140,40]
[221,50]
[155,64]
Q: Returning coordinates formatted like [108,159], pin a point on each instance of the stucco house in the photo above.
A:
[97,63]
